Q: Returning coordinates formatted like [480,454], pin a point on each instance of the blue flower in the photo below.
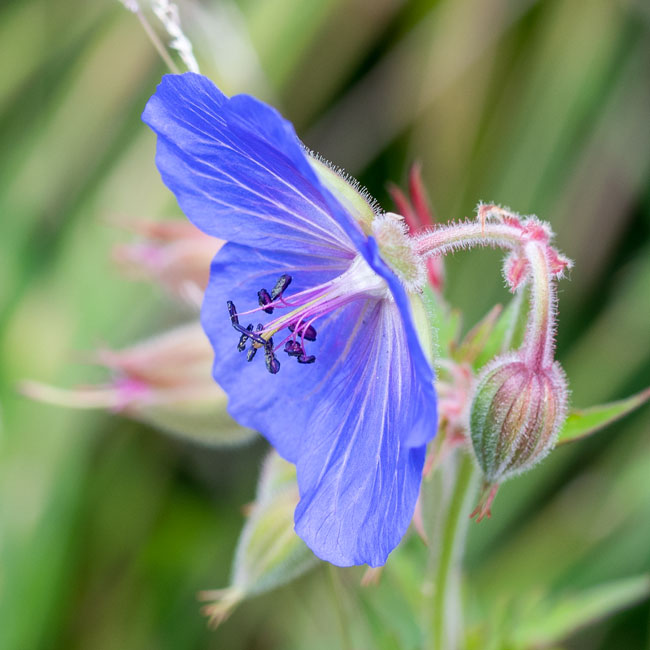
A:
[312,269]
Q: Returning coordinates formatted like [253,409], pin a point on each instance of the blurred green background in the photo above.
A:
[108,528]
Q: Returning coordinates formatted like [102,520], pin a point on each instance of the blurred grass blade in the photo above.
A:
[584,422]
[552,623]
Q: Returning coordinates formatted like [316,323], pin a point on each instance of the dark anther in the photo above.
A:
[293,348]
[232,311]
[246,332]
[243,338]
[272,364]
[250,355]
[303,358]
[264,299]
[280,286]
[309,332]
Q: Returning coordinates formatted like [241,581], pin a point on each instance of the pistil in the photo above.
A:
[304,308]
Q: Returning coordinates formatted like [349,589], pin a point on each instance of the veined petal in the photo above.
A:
[356,421]
[276,405]
[358,475]
[348,421]
[421,366]
[239,171]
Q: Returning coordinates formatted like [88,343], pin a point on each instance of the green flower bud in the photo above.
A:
[269,553]
[516,414]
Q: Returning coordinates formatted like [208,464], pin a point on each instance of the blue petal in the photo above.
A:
[425,385]
[239,171]
[346,420]
[278,406]
[358,478]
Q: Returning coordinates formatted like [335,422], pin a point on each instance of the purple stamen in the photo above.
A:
[293,348]
[244,337]
[232,311]
[280,286]
[302,327]
[265,301]
[244,331]
[306,332]
[272,364]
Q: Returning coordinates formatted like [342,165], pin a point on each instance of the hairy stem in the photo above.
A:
[447,239]
[538,346]
[538,343]
[134,7]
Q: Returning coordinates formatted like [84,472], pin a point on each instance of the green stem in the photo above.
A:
[448,517]
[341,617]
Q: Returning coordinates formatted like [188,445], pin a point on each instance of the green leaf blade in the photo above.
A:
[583,422]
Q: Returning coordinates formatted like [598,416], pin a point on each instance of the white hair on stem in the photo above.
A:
[167,13]
[134,7]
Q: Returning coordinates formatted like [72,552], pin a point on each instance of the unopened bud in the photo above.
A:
[516,415]
[173,254]
[269,553]
[165,381]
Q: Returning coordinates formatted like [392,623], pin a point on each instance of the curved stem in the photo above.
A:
[538,343]
[447,239]
[538,346]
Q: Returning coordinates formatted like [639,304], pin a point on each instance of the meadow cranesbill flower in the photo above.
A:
[311,309]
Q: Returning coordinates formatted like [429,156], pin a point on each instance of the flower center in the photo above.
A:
[301,310]
[398,249]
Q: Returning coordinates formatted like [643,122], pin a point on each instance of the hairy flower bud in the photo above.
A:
[516,415]
[164,381]
[173,254]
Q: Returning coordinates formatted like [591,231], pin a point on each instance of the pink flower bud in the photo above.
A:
[164,381]
[516,415]
[173,254]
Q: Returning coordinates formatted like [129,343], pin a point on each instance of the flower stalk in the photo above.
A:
[520,397]
[538,346]
[446,499]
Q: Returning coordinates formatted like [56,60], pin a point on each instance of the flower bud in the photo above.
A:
[269,553]
[516,415]
[165,381]
[174,254]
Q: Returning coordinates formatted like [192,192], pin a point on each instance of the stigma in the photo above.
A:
[293,325]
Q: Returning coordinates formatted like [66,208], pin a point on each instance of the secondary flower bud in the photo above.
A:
[515,416]
[174,254]
[164,381]
[269,553]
